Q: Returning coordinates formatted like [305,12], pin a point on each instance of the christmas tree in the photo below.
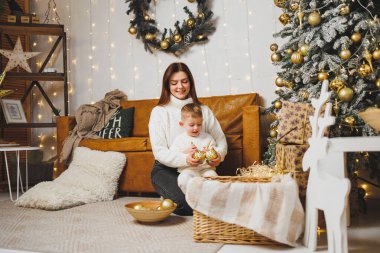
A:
[337,40]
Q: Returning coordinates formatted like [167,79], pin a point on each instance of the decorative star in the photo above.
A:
[18,57]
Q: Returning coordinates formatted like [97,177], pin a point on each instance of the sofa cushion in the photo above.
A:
[120,125]
[122,144]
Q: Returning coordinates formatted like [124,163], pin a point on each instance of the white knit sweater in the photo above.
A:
[164,127]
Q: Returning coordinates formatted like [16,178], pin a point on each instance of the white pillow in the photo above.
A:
[92,176]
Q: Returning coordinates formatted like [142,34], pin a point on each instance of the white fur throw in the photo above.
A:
[92,176]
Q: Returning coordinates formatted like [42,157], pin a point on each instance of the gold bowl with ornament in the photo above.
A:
[371,116]
[151,210]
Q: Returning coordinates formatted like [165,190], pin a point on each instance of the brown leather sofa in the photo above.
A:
[239,117]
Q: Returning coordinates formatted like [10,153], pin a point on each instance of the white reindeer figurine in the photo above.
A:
[324,191]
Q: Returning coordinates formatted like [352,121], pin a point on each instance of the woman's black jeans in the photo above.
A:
[164,180]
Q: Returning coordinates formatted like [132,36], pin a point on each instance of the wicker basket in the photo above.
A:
[207,229]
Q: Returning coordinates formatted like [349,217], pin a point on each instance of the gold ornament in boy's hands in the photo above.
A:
[211,154]
[199,155]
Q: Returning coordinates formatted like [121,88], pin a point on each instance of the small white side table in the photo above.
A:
[17,149]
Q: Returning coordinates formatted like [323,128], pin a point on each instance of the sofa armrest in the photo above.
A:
[64,125]
[251,135]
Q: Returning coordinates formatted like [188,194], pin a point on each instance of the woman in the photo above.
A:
[177,90]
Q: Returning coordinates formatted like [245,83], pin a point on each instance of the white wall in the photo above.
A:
[236,59]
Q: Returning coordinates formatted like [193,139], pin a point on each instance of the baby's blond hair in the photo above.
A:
[191,110]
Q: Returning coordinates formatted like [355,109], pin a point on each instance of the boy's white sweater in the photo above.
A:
[164,128]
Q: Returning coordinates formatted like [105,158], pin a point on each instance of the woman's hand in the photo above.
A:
[190,160]
[215,162]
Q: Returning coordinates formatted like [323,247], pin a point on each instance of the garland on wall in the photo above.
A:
[194,30]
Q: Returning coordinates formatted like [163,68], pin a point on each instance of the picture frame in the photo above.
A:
[13,111]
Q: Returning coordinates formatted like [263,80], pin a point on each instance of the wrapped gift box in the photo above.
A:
[289,157]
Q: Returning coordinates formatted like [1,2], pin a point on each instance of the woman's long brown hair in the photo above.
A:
[174,68]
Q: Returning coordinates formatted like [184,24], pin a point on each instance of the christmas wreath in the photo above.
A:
[195,29]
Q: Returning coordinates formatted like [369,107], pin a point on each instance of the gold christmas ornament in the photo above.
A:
[177,38]
[378,83]
[138,207]
[344,9]
[164,44]
[280,3]
[190,22]
[336,85]
[296,57]
[323,75]
[200,155]
[211,154]
[149,36]
[273,133]
[289,51]
[350,120]
[345,54]
[200,37]
[132,30]
[275,57]
[314,18]
[300,16]
[166,204]
[288,85]
[346,94]
[277,104]
[279,82]
[304,49]
[376,54]
[356,37]
[191,1]
[336,107]
[293,6]
[284,18]
[303,94]
[364,70]
[146,17]
[273,47]
[368,56]
[201,15]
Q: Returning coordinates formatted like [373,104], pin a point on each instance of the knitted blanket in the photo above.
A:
[271,209]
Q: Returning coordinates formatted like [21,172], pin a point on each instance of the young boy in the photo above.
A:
[192,139]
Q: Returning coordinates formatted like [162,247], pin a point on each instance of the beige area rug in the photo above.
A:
[99,227]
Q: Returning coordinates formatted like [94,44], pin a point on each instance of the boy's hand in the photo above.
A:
[215,162]
[190,149]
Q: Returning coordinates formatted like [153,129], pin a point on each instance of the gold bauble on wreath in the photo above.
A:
[132,30]
[280,3]
[279,82]
[289,51]
[273,133]
[200,37]
[376,54]
[336,85]
[293,6]
[146,17]
[350,120]
[346,94]
[190,22]
[345,54]
[164,44]
[296,57]
[149,36]
[323,76]
[356,37]
[344,9]
[273,47]
[277,104]
[201,15]
[284,18]
[177,38]
[304,49]
[364,70]
[378,83]
[275,57]
[314,18]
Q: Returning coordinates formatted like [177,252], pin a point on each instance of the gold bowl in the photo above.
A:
[149,213]
[371,116]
